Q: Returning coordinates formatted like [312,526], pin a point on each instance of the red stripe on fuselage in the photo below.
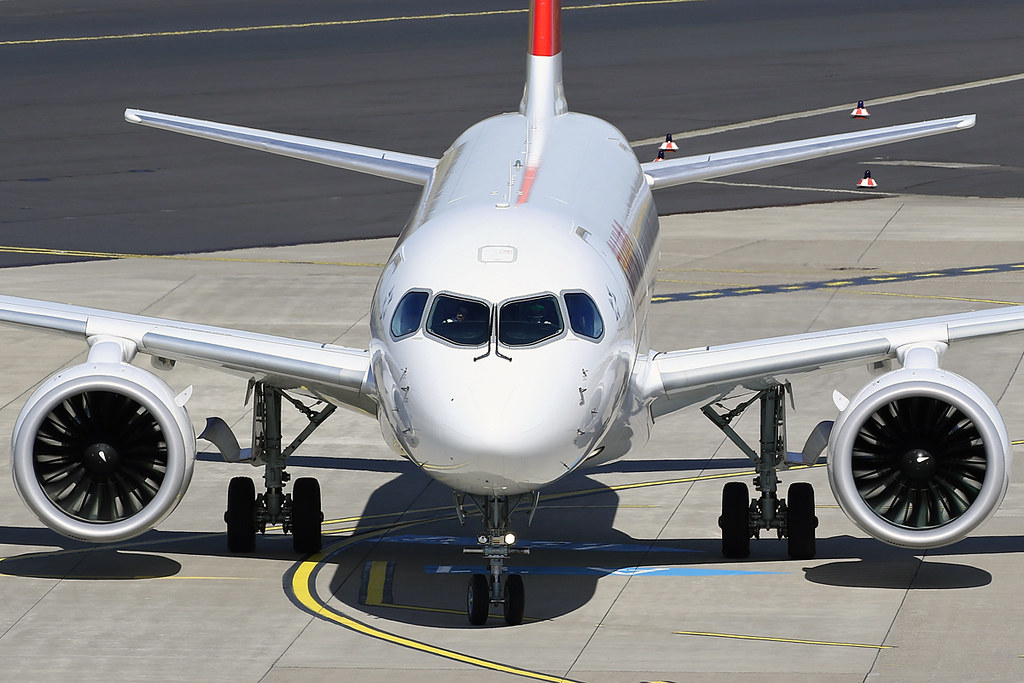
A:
[545,27]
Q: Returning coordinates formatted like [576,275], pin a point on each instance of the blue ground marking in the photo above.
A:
[857,281]
[598,571]
[545,545]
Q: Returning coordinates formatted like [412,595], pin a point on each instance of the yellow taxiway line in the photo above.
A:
[737,636]
[329,24]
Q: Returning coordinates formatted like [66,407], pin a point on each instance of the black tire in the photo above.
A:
[515,599]
[800,521]
[307,516]
[735,521]
[241,515]
[478,600]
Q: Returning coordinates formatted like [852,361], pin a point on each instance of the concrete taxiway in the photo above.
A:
[625,581]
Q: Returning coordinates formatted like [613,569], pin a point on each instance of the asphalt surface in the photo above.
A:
[75,176]
[628,583]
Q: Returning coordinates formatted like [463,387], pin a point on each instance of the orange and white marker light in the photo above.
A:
[860,112]
[668,145]
[661,155]
[867,180]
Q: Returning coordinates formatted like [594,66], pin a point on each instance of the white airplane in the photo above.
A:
[509,347]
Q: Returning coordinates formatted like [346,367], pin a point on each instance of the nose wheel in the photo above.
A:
[498,587]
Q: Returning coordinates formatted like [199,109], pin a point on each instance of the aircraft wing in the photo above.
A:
[338,372]
[685,378]
[408,168]
[705,166]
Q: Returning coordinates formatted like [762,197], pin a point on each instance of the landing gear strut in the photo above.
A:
[742,517]
[298,512]
[498,587]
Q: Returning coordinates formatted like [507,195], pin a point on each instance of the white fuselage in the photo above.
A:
[524,213]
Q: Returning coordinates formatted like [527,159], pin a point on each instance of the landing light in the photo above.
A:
[510,539]
[482,539]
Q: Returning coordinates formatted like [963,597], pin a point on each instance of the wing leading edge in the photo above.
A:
[338,372]
[706,166]
[685,378]
[408,168]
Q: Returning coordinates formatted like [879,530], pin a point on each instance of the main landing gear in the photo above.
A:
[298,512]
[742,517]
[498,587]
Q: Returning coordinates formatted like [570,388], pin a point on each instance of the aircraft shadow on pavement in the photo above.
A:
[425,573]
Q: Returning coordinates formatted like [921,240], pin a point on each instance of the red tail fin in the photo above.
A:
[545,27]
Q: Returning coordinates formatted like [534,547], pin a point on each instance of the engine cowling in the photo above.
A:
[919,458]
[102,452]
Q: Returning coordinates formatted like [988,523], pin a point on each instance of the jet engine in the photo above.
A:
[103,452]
[920,457]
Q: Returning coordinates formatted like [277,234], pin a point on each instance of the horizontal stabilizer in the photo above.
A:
[408,168]
[706,166]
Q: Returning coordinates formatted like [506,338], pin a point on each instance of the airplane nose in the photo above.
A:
[489,430]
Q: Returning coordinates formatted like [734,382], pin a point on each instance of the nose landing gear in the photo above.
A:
[498,587]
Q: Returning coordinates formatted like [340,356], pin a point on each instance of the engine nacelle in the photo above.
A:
[102,452]
[919,458]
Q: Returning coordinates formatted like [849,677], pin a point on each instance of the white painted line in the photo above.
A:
[832,110]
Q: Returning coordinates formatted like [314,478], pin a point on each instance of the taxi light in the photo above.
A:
[510,539]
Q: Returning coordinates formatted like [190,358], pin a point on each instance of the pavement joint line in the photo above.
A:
[175,257]
[331,23]
[798,641]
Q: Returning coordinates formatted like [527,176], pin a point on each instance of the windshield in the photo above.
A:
[529,321]
[460,321]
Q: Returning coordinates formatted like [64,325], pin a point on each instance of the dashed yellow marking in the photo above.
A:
[980,270]
[375,587]
[328,24]
[942,298]
[737,636]
[839,283]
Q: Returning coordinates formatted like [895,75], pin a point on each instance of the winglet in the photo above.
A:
[543,96]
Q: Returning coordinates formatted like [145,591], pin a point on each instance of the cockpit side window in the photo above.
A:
[584,318]
[460,321]
[529,321]
[408,314]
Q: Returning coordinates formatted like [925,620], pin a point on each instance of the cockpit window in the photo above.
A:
[584,318]
[408,314]
[529,321]
[460,321]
